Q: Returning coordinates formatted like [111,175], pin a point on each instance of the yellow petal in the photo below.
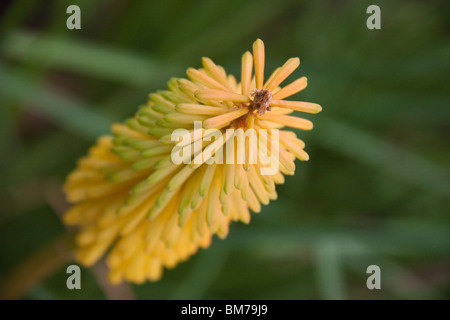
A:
[206,180]
[179,178]
[213,200]
[161,174]
[158,99]
[202,78]
[246,72]
[257,186]
[199,109]
[296,147]
[297,105]
[215,72]
[289,121]
[220,95]
[181,118]
[156,151]
[258,58]
[221,121]
[283,73]
[228,178]
[291,89]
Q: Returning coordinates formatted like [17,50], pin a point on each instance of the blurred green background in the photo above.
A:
[375,191]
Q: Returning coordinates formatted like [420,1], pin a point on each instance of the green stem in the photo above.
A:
[37,267]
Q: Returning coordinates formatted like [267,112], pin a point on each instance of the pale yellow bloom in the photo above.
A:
[130,198]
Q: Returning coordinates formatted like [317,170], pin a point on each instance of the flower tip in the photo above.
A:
[304,156]
[197,95]
[206,61]
[258,42]
[258,48]
[190,71]
[317,108]
[258,45]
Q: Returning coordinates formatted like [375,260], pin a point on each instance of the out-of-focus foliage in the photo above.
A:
[375,191]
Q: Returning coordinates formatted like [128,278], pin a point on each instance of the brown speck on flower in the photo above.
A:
[261,101]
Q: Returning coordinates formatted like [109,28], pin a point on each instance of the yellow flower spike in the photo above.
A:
[131,197]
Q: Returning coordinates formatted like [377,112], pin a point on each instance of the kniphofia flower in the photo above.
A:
[148,213]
